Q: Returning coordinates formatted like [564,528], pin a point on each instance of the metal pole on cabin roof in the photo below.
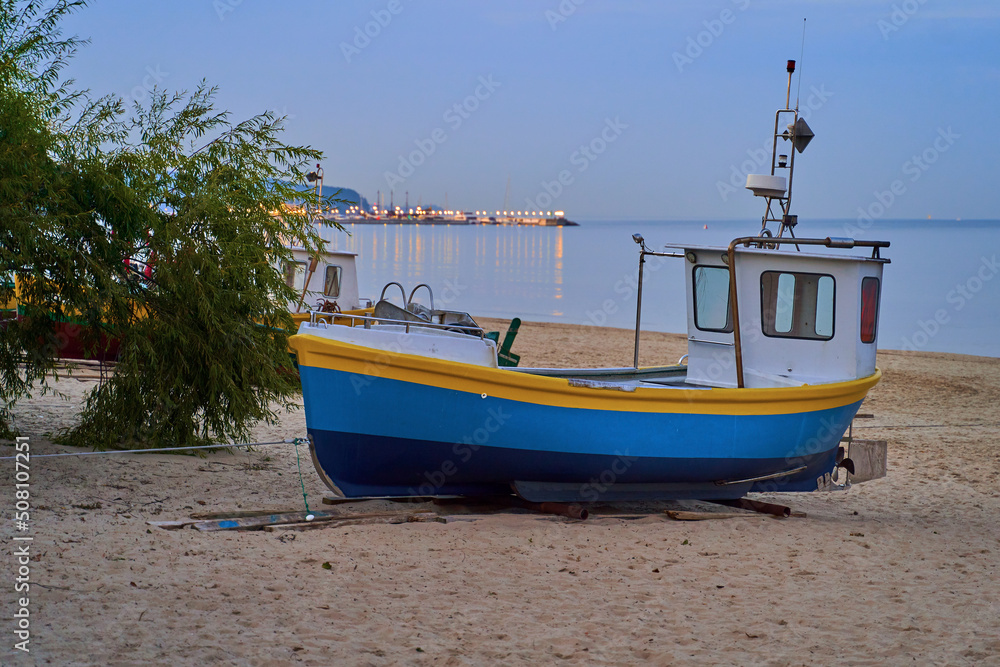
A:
[638,308]
[734,306]
[638,303]
[319,192]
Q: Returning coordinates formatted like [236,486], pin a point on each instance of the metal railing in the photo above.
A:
[323,319]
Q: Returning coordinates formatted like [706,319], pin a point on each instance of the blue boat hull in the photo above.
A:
[378,436]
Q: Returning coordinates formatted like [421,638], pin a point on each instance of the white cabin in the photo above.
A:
[333,279]
[803,318]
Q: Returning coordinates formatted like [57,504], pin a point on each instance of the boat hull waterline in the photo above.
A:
[391,424]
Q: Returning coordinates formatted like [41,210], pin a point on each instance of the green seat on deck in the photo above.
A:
[504,356]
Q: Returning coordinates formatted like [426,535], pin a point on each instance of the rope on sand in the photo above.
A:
[289,441]
[301,481]
[928,425]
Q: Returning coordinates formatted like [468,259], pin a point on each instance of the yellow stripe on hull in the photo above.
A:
[317,352]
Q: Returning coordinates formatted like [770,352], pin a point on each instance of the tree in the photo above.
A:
[32,54]
[163,229]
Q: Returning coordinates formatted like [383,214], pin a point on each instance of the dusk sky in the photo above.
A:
[648,110]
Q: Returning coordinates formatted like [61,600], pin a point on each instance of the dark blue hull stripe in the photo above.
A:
[366,465]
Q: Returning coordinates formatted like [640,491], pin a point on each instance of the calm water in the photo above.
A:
[941,292]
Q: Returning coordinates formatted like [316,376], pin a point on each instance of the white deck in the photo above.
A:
[420,341]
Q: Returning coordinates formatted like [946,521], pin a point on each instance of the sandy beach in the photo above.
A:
[901,570]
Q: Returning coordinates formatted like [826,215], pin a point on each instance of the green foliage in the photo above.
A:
[160,229]
[32,53]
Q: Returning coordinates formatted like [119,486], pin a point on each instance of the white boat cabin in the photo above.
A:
[800,317]
[333,279]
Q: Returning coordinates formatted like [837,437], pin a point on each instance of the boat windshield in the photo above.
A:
[711,299]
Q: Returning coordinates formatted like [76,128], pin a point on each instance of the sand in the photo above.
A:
[901,570]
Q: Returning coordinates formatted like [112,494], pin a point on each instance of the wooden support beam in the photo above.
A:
[684,515]
[358,520]
[258,522]
[239,514]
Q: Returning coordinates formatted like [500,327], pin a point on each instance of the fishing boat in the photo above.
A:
[782,335]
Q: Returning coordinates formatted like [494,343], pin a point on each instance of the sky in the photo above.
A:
[607,110]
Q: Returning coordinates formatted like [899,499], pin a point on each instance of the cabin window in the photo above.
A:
[869,309]
[331,286]
[295,275]
[797,305]
[711,299]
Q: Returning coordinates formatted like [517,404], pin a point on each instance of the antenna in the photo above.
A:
[802,53]
[774,188]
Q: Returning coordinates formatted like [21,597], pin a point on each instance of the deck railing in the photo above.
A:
[323,319]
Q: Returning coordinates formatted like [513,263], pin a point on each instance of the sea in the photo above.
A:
[941,289]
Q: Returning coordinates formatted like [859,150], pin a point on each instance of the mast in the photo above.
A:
[776,188]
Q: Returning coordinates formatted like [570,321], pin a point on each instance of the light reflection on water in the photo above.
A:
[586,274]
